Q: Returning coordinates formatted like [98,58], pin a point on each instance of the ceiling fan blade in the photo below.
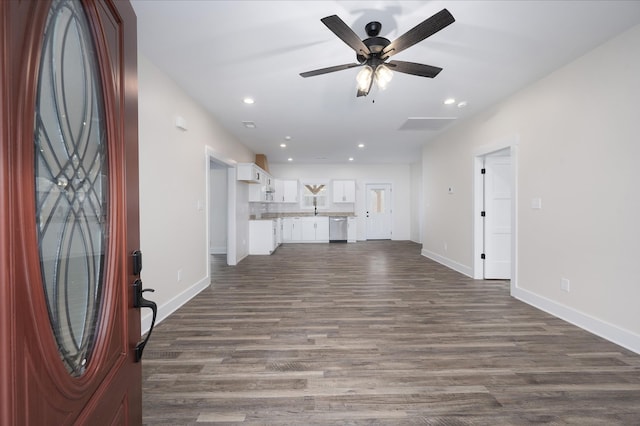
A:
[346,34]
[418,33]
[413,68]
[329,69]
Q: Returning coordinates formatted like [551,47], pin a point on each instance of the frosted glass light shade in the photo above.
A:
[364,78]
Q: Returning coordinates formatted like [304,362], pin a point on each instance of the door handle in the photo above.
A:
[140,302]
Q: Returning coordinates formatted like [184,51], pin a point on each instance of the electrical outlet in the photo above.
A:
[445,246]
[179,274]
[564,284]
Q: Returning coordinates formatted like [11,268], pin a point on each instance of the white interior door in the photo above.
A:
[378,211]
[497,229]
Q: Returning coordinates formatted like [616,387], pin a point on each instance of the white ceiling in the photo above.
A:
[222,51]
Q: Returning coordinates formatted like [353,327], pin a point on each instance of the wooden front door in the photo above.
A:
[68,213]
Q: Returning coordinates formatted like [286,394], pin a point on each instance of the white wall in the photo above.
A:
[417,215]
[578,132]
[218,208]
[398,175]
[173,167]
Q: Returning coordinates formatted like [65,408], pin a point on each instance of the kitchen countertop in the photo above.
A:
[270,216]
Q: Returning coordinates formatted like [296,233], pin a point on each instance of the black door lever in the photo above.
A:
[140,302]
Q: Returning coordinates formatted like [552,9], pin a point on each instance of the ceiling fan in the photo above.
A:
[372,53]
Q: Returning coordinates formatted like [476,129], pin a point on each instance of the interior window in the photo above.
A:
[314,195]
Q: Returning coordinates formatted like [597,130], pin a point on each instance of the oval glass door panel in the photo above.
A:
[71,182]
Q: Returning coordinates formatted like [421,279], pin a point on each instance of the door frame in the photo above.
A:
[364,206]
[212,156]
[511,143]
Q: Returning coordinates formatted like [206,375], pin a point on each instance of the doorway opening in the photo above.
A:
[495,201]
[220,209]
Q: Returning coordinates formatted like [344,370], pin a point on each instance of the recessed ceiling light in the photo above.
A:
[283,145]
[289,159]
[360,145]
[287,138]
[350,158]
[462,104]
[249,124]
[248,101]
[449,101]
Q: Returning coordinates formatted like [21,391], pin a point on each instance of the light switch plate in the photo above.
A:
[181,123]
[536,203]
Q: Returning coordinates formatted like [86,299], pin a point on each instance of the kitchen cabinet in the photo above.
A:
[315,229]
[249,172]
[291,229]
[262,189]
[308,230]
[351,230]
[263,236]
[278,231]
[305,229]
[286,191]
[344,191]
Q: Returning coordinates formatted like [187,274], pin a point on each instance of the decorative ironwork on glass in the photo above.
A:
[71,182]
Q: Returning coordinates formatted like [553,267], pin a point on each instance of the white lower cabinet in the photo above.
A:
[263,236]
[322,228]
[291,229]
[278,223]
[305,229]
[308,229]
[351,230]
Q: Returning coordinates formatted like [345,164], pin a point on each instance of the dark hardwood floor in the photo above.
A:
[373,333]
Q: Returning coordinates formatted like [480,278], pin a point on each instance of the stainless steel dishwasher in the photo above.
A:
[338,229]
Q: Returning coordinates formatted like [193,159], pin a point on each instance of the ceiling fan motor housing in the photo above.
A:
[373,28]
[375,45]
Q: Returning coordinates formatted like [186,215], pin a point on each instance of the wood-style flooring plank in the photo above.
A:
[373,333]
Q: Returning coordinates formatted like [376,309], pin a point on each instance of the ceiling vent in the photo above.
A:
[426,123]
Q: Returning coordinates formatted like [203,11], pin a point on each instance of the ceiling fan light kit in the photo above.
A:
[373,52]
[364,78]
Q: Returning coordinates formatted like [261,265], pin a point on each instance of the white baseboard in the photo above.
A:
[610,332]
[172,305]
[458,267]
[218,250]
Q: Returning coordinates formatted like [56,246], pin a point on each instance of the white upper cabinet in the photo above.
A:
[286,191]
[344,191]
[249,172]
[262,186]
